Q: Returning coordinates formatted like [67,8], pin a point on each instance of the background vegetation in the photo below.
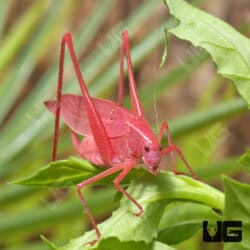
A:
[207,117]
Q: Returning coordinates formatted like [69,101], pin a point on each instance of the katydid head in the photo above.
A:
[143,139]
[152,157]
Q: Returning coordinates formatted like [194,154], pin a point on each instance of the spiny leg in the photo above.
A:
[125,51]
[98,130]
[58,101]
[164,127]
[176,149]
[117,182]
[121,80]
[84,203]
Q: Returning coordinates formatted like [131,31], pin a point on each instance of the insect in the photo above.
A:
[114,137]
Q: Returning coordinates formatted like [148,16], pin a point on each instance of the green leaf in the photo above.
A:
[229,49]
[153,193]
[237,200]
[182,221]
[62,173]
[123,225]
[69,172]
[113,244]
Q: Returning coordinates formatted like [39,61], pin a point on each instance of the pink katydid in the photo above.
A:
[114,137]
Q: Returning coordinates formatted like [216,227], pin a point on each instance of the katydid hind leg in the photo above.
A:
[96,124]
[92,180]
[58,101]
[121,80]
[135,101]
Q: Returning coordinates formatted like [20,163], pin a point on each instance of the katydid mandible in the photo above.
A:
[115,138]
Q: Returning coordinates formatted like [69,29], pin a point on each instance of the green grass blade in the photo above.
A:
[33,105]
[41,42]
[174,76]
[23,134]
[39,153]
[199,119]
[96,63]
[4,8]
[50,31]
[46,217]
[30,246]
[20,32]
[12,193]
[228,166]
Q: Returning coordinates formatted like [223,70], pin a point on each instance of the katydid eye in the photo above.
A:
[146,148]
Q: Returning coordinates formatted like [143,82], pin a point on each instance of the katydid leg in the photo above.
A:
[174,148]
[83,201]
[164,127]
[98,130]
[58,101]
[117,182]
[125,51]
[121,80]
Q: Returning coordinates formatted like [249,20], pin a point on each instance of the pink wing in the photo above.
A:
[73,112]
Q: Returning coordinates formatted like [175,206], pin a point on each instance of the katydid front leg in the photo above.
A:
[174,148]
[118,180]
[164,127]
